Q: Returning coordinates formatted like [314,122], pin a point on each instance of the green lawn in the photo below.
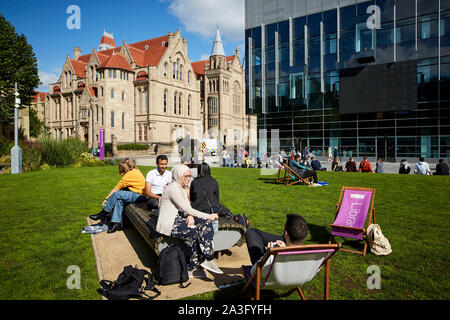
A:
[42,213]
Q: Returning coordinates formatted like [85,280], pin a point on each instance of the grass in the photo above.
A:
[42,214]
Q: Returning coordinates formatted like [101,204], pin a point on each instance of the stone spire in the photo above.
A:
[218,47]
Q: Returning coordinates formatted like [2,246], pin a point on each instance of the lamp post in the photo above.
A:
[16,151]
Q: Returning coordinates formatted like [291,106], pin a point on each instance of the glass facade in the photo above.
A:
[293,66]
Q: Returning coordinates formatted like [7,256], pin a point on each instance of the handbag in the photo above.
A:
[378,243]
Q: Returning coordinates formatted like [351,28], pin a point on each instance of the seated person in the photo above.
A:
[315,164]
[204,190]
[365,165]
[303,171]
[193,226]
[295,232]
[336,165]
[156,180]
[350,166]
[134,182]
[305,162]
[379,166]
[422,167]
[441,168]
[404,167]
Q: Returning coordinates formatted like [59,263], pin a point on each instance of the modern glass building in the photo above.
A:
[371,77]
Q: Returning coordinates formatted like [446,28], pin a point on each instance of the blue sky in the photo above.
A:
[44,25]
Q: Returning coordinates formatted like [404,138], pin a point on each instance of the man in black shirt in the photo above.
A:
[441,168]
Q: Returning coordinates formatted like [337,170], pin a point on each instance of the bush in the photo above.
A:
[88,160]
[62,153]
[5,146]
[132,146]
[31,155]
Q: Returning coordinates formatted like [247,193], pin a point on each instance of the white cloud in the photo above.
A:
[205,56]
[203,16]
[46,79]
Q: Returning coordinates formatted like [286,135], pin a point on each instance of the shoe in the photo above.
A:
[114,226]
[197,273]
[99,215]
[211,266]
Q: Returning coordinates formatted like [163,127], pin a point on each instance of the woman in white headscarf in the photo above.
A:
[193,227]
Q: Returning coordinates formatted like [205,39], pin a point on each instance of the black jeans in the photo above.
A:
[257,241]
[309,173]
[152,203]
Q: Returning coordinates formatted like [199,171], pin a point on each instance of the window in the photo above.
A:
[165,101]
[145,132]
[110,73]
[140,132]
[175,103]
[112,119]
[174,70]
[146,100]
[178,69]
[189,105]
[96,109]
[165,69]
[112,93]
[189,77]
[102,118]
[123,96]
[181,72]
[101,91]
[123,120]
[179,104]
[114,74]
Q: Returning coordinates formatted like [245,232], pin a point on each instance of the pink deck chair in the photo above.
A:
[291,267]
[351,214]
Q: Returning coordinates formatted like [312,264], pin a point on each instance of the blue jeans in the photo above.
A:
[118,200]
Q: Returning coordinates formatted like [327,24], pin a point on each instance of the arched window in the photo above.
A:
[140,100]
[112,119]
[178,69]
[189,105]
[174,70]
[165,101]
[146,100]
[175,103]
[179,104]
[189,77]
[181,72]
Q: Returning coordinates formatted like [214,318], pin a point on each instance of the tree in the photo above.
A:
[18,63]
[36,125]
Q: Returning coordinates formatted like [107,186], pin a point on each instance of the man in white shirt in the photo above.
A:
[156,181]
[295,231]
[422,167]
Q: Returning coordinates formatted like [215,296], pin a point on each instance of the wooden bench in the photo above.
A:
[230,233]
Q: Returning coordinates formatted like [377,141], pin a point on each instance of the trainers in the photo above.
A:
[197,273]
[211,266]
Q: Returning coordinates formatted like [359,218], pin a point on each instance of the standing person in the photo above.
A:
[379,166]
[156,149]
[134,181]
[350,166]
[404,167]
[224,157]
[329,155]
[442,168]
[156,180]
[365,166]
[422,167]
[194,227]
[335,152]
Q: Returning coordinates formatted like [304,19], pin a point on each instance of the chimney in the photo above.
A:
[185,44]
[170,39]
[76,53]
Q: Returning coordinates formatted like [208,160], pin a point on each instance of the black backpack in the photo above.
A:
[129,285]
[172,267]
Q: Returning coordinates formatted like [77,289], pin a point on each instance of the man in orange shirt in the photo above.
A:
[365,166]
[134,183]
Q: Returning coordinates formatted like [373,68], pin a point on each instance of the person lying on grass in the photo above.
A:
[134,181]
[295,232]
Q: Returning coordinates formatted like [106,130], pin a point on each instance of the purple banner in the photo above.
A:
[102,144]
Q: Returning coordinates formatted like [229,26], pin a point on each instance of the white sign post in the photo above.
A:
[16,151]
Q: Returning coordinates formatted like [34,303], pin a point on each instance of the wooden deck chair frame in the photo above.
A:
[371,218]
[256,276]
[282,174]
[295,174]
